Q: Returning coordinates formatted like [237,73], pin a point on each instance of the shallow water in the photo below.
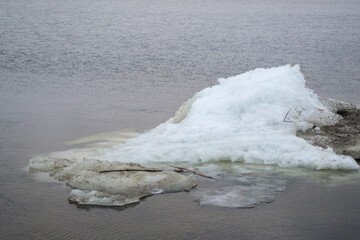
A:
[73,69]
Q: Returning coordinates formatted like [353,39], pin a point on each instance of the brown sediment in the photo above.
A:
[343,137]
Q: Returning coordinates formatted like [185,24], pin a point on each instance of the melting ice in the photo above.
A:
[242,120]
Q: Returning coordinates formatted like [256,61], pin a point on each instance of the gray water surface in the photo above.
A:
[70,69]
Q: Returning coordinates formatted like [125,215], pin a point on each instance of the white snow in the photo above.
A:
[241,119]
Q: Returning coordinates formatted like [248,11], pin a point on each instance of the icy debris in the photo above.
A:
[99,198]
[344,136]
[336,106]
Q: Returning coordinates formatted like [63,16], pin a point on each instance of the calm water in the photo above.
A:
[69,69]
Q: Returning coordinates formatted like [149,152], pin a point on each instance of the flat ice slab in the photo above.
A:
[90,186]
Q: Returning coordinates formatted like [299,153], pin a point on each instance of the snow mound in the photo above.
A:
[251,118]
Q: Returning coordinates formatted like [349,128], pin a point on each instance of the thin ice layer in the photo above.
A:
[241,186]
[241,119]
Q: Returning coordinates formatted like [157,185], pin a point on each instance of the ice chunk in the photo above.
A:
[251,118]
[111,188]
[241,119]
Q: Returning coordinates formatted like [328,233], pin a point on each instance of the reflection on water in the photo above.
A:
[107,139]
